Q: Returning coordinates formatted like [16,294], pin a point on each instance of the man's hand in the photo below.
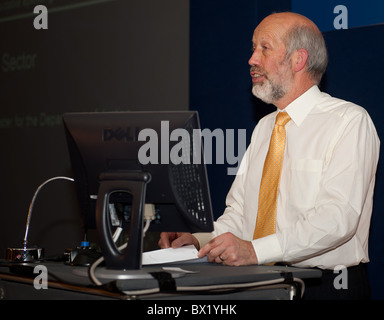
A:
[229,250]
[177,239]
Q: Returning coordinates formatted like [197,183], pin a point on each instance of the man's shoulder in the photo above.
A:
[340,107]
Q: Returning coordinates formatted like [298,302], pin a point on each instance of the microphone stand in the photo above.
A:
[25,253]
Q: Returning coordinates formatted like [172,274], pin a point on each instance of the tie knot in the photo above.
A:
[282,118]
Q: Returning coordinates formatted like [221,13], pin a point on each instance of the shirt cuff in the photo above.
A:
[268,249]
[203,238]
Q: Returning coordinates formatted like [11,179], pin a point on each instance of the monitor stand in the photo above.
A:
[126,263]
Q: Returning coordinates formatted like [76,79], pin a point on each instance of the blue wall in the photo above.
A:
[360,13]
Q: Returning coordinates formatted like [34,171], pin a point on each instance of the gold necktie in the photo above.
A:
[266,215]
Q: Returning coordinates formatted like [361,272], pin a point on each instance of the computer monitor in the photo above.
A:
[132,158]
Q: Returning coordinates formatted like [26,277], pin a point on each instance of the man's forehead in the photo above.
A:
[267,33]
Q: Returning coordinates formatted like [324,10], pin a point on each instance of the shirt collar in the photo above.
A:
[299,108]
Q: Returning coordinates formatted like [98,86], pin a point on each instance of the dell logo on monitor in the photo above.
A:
[120,134]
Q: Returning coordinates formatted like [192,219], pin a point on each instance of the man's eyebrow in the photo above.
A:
[262,41]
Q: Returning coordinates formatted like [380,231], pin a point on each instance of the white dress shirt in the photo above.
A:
[326,187]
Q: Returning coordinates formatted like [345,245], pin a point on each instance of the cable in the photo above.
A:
[147,223]
[115,237]
[117,234]
[91,271]
[94,265]
[223,287]
[33,202]
[149,215]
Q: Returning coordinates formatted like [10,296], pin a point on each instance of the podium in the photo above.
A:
[197,281]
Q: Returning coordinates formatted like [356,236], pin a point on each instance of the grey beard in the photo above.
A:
[268,92]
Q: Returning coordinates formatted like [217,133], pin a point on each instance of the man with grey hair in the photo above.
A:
[308,204]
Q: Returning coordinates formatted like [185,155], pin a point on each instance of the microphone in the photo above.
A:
[25,253]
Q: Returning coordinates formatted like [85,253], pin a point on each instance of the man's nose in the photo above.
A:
[255,58]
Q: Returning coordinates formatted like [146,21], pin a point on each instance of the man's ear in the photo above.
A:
[299,60]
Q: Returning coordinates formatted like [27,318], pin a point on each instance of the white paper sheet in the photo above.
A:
[170,255]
